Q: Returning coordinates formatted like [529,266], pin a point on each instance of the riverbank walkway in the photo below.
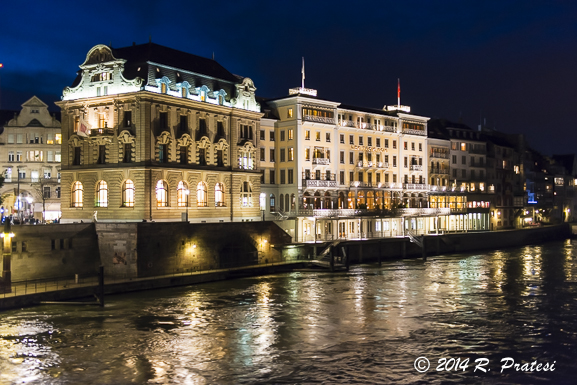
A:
[27,293]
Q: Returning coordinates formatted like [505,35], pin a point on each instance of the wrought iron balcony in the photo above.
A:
[421,212]
[415,186]
[416,167]
[321,161]
[312,183]
[101,132]
[440,155]
[412,131]
[319,119]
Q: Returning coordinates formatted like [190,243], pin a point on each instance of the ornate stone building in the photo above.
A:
[152,133]
[30,162]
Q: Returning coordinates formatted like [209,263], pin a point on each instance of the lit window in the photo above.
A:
[290,134]
[128,194]
[290,113]
[161,194]
[58,138]
[182,194]
[201,195]
[101,194]
[219,195]
[163,88]
[246,195]
[77,193]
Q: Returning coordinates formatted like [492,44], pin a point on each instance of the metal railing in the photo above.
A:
[319,119]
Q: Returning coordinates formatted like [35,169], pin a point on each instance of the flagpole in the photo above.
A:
[303,74]
[399,92]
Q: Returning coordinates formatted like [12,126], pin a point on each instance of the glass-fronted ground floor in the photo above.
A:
[319,229]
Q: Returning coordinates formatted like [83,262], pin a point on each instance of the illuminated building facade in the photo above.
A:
[30,161]
[333,171]
[152,133]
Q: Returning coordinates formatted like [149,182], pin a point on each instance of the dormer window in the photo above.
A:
[184,92]
[203,96]
[103,76]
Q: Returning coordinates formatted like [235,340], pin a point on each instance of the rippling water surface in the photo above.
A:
[363,326]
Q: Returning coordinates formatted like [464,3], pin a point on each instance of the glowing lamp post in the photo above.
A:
[6,279]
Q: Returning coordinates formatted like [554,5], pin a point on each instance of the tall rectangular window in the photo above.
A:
[290,176]
[272,177]
[101,154]
[282,155]
[162,153]
[127,118]
[291,154]
[272,159]
[183,155]
[163,121]
[127,156]
[262,151]
[282,135]
[183,123]
[282,176]
[76,160]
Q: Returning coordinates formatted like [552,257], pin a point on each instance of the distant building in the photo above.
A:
[30,158]
[152,133]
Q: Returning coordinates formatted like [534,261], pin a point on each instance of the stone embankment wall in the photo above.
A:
[360,251]
[48,251]
[130,250]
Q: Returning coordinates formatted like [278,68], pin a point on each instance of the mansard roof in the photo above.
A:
[152,61]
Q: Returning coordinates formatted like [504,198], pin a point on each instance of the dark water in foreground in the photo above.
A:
[365,326]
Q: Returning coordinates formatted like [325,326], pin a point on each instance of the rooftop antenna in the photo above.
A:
[303,74]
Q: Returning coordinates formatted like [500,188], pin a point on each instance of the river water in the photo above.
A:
[368,325]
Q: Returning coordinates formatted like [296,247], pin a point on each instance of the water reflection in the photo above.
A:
[367,325]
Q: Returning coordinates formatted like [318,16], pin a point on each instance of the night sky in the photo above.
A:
[513,63]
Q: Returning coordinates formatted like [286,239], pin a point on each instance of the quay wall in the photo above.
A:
[370,250]
[48,251]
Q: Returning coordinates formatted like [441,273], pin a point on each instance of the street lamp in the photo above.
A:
[187,192]
[29,199]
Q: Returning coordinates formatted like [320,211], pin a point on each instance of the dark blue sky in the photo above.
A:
[512,62]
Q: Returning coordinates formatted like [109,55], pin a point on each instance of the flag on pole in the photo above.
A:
[83,128]
[399,91]
[303,73]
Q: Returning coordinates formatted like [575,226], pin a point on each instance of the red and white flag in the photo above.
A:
[83,128]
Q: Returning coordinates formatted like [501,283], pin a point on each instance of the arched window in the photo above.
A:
[101,194]
[128,194]
[182,194]
[272,203]
[246,194]
[77,194]
[219,195]
[161,194]
[201,196]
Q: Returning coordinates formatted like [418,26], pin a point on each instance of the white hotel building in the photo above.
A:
[332,171]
